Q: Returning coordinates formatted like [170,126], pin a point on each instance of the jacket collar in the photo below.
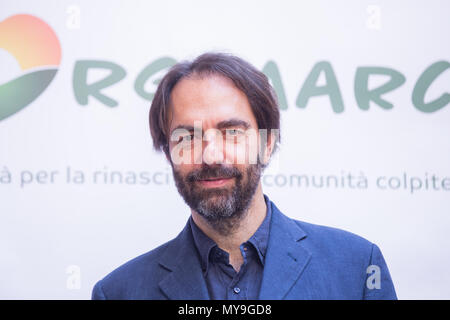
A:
[284,262]
[186,280]
[286,257]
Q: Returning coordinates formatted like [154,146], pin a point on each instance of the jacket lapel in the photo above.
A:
[186,279]
[285,258]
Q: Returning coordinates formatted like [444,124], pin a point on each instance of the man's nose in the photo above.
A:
[213,151]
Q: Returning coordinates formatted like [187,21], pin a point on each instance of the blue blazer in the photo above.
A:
[303,261]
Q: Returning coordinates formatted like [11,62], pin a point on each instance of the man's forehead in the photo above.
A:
[212,100]
[191,97]
[207,80]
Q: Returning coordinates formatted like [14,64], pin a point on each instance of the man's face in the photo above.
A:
[212,168]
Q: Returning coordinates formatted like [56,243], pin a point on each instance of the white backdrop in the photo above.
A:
[64,223]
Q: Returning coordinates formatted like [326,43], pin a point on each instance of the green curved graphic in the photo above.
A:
[36,48]
[18,93]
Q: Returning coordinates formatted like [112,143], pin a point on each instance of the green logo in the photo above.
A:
[36,48]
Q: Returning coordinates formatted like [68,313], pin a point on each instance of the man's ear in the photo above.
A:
[268,150]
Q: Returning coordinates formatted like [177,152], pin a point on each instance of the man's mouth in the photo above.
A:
[215,182]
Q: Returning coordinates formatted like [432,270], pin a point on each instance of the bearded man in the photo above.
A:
[217,121]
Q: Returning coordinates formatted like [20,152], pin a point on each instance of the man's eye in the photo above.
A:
[186,138]
[233,132]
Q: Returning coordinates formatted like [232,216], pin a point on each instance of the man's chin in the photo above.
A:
[214,197]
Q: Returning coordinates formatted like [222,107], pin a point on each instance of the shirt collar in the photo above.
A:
[259,239]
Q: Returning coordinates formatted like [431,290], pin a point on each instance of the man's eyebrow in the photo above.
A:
[183,126]
[233,123]
[221,125]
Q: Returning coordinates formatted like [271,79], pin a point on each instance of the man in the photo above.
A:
[217,121]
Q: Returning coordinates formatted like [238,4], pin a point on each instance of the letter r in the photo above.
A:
[82,90]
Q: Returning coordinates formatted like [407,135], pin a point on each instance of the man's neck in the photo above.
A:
[245,229]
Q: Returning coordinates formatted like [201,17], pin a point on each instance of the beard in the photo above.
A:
[222,207]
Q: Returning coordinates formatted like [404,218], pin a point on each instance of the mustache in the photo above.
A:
[213,172]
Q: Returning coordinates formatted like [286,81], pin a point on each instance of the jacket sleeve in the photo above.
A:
[378,284]
[97,292]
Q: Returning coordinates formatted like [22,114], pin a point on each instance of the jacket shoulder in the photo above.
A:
[350,259]
[135,279]
[336,250]
[334,238]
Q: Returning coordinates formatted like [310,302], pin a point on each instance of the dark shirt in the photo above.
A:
[223,282]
